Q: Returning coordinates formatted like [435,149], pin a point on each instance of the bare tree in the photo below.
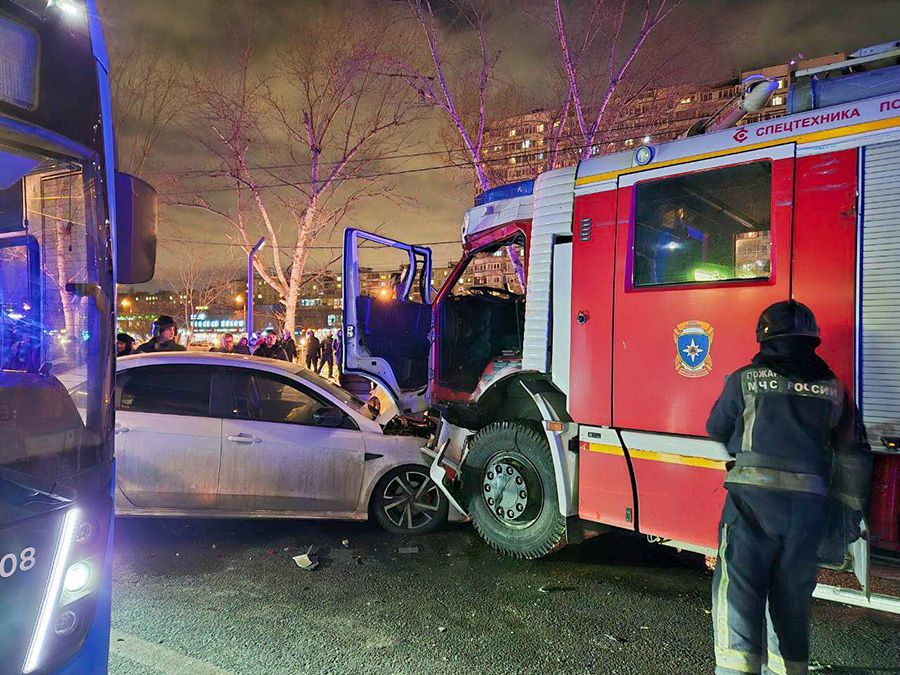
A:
[300,148]
[465,101]
[599,59]
[148,95]
[197,284]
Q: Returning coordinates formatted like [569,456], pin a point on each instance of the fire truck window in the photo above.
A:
[502,268]
[704,227]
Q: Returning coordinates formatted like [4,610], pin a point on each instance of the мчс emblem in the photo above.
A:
[693,339]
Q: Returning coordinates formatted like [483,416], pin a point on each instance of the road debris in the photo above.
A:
[550,588]
[408,549]
[442,629]
[306,561]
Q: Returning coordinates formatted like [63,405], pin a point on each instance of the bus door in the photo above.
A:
[702,249]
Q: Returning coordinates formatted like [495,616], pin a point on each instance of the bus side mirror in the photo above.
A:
[136,213]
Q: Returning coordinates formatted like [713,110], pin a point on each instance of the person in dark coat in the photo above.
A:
[270,349]
[312,352]
[327,354]
[289,346]
[227,346]
[242,347]
[339,351]
[124,344]
[164,331]
[800,454]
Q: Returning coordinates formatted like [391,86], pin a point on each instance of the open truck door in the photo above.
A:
[386,327]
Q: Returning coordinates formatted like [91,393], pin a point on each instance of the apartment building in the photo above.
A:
[518,148]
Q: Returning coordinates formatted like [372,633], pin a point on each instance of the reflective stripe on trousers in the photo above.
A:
[762,587]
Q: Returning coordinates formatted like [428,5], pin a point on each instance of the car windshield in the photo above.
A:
[55,328]
[340,394]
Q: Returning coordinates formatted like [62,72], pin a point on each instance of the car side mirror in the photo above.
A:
[328,417]
[136,215]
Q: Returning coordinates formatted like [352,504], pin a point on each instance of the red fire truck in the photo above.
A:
[574,353]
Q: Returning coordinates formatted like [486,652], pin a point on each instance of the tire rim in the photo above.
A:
[512,490]
[411,500]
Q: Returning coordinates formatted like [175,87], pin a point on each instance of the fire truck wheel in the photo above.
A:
[511,490]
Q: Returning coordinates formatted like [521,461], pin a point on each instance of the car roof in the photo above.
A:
[216,359]
[240,361]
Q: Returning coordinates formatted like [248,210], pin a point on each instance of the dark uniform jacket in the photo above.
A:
[276,351]
[153,345]
[290,348]
[792,433]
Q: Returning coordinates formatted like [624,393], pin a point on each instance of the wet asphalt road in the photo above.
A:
[208,597]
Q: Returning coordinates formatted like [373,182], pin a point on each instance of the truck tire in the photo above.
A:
[510,485]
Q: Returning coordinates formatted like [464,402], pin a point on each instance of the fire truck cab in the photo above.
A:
[580,391]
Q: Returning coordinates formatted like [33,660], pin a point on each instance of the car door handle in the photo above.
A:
[244,438]
[119,429]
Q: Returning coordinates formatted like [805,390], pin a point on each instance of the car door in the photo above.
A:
[287,448]
[385,336]
[168,445]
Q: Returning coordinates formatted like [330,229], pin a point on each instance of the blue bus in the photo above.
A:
[70,226]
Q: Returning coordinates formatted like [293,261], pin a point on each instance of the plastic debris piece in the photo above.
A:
[345,543]
[442,629]
[306,561]
[408,549]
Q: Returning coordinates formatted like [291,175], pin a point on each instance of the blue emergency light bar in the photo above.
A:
[521,189]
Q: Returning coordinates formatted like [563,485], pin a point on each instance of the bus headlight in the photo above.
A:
[78,577]
[79,580]
[66,623]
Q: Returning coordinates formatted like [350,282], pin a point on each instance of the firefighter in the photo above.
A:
[797,444]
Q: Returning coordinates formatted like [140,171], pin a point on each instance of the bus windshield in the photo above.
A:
[55,297]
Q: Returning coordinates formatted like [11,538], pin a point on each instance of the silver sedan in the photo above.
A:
[220,435]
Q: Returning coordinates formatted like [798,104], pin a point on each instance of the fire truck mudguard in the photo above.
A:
[509,481]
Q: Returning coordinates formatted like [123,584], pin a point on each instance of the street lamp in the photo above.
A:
[253,251]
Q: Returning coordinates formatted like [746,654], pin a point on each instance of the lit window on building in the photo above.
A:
[540,155]
[685,100]
[512,160]
[526,144]
[778,100]
[540,127]
[781,84]
[629,142]
[512,133]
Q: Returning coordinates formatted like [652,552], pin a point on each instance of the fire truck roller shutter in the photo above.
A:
[509,482]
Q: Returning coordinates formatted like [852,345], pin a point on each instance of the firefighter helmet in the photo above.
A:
[162,322]
[788,317]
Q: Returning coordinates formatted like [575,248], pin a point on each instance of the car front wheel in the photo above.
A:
[407,501]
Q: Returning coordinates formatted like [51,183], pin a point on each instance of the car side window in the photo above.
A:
[266,397]
[167,389]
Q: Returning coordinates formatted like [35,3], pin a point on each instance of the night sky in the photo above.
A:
[742,34]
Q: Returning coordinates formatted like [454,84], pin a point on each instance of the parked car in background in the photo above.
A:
[222,435]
